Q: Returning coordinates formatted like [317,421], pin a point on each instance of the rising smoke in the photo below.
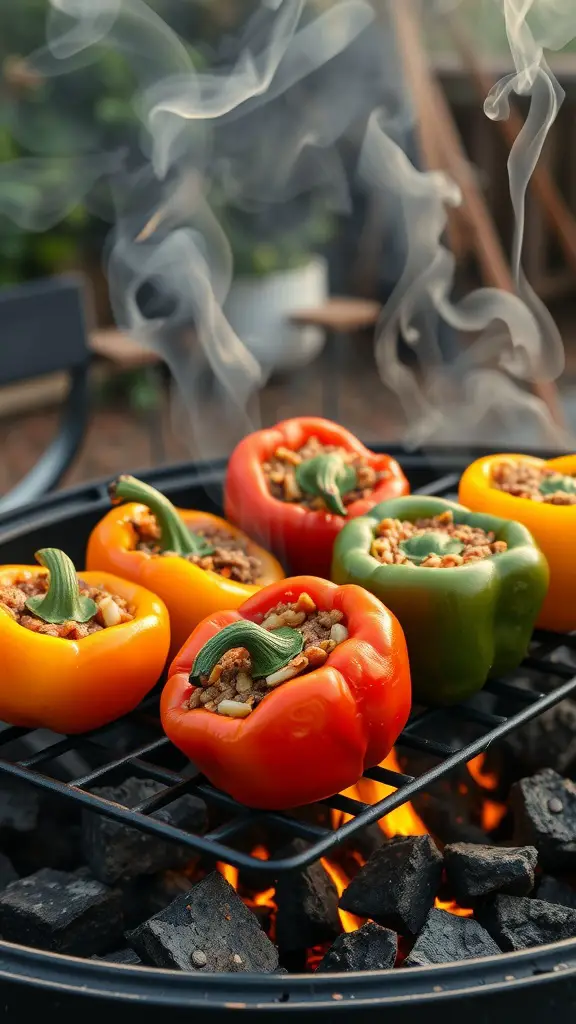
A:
[483,386]
[245,128]
[228,129]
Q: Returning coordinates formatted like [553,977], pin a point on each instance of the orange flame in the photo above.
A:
[452,907]
[485,779]
[348,921]
[492,812]
[259,899]
[404,821]
[401,822]
[230,873]
[265,898]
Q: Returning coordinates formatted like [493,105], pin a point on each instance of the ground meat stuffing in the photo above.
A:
[523,480]
[112,609]
[230,557]
[279,472]
[231,690]
[477,543]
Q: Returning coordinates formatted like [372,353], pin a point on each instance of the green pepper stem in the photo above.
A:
[63,601]
[432,542]
[270,649]
[174,534]
[327,477]
[558,482]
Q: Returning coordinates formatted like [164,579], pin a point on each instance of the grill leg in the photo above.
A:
[333,359]
[154,416]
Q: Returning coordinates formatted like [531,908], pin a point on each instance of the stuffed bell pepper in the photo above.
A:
[542,496]
[196,562]
[77,652]
[466,588]
[288,699]
[294,486]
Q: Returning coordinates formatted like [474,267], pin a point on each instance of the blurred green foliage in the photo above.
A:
[31,126]
[257,253]
[92,111]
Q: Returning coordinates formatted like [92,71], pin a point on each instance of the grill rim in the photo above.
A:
[97,978]
[542,964]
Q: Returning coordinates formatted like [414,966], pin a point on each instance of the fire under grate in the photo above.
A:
[549,658]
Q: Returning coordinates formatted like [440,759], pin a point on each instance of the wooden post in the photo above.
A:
[557,211]
[432,109]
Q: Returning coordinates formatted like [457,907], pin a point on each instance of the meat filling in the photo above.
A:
[475,543]
[542,484]
[112,609]
[279,472]
[232,690]
[230,556]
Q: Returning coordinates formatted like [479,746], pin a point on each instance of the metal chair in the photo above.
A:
[43,331]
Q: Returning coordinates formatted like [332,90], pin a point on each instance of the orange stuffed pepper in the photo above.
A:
[77,652]
[542,495]
[195,561]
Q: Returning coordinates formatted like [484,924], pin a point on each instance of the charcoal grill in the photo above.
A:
[491,989]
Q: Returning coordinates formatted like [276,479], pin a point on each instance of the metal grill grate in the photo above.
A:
[549,656]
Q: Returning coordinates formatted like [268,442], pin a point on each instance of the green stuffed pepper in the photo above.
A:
[467,588]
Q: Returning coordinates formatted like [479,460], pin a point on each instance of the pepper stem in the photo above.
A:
[174,534]
[63,601]
[327,477]
[432,542]
[558,482]
[270,649]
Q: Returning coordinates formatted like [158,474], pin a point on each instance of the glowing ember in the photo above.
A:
[485,779]
[492,814]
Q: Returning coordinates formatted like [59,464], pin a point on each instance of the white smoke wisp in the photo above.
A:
[531,27]
[38,193]
[260,129]
[484,389]
[224,131]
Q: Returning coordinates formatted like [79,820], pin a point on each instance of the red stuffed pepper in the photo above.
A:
[290,698]
[293,487]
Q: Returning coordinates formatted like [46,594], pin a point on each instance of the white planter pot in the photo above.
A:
[258,309]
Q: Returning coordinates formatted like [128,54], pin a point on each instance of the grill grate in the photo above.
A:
[549,657]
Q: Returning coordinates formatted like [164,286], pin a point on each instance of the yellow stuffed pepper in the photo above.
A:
[195,561]
[542,495]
